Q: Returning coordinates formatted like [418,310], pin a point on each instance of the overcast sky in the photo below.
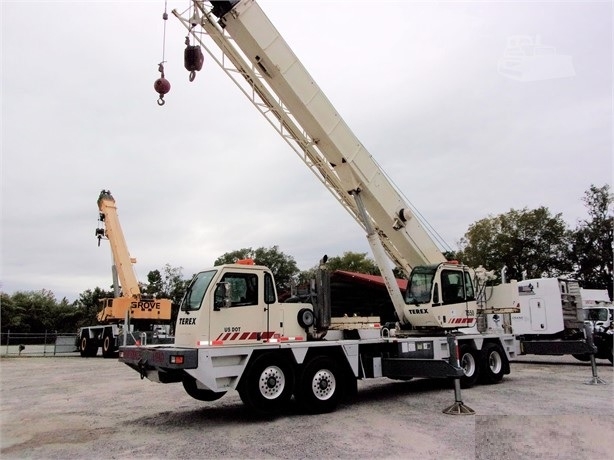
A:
[425,86]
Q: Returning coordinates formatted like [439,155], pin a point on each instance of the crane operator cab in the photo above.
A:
[441,295]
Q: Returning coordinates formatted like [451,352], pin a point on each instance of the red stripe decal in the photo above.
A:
[244,336]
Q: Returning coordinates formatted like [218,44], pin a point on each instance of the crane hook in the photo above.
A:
[161,85]
[193,58]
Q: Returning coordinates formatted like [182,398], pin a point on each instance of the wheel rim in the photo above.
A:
[107,343]
[272,382]
[468,364]
[83,343]
[495,363]
[323,384]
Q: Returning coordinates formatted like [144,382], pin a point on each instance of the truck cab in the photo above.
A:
[600,317]
[237,304]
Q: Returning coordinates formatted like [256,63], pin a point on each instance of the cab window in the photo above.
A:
[420,286]
[452,286]
[469,293]
[196,291]
[269,289]
[243,288]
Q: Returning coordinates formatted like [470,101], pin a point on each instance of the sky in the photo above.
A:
[426,87]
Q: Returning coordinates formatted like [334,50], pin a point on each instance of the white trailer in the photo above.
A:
[552,319]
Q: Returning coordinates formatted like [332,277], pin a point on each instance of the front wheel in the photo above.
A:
[584,357]
[88,347]
[267,385]
[190,387]
[493,363]
[469,361]
[319,387]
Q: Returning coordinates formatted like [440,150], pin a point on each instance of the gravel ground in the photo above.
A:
[66,407]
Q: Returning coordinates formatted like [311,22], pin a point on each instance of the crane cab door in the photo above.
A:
[458,305]
[238,314]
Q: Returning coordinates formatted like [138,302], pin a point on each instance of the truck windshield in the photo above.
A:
[420,285]
[196,290]
[597,314]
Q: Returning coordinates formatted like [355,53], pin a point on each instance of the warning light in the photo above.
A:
[176,359]
[245,261]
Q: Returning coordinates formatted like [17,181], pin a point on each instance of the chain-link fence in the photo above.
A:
[38,344]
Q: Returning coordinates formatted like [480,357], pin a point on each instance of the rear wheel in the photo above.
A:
[469,361]
[493,363]
[190,387]
[320,385]
[267,384]
[108,345]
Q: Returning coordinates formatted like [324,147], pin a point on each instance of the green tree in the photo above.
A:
[36,309]
[530,242]
[592,240]
[282,266]
[12,316]
[36,312]
[357,262]
[169,284]
[66,316]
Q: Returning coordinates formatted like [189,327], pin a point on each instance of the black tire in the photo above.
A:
[305,318]
[88,347]
[108,346]
[493,363]
[608,352]
[469,360]
[585,357]
[189,385]
[319,387]
[83,347]
[266,387]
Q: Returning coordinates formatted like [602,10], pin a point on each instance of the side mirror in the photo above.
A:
[221,297]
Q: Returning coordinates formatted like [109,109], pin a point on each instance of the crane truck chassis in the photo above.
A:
[232,333]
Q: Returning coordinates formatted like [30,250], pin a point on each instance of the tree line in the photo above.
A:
[530,243]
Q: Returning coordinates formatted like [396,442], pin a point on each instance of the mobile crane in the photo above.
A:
[128,309]
[232,333]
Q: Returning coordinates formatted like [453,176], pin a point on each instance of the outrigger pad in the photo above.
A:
[458,408]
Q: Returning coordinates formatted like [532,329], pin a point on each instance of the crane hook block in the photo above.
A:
[193,58]
[162,86]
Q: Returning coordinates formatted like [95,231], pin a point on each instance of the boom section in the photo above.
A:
[260,62]
[119,249]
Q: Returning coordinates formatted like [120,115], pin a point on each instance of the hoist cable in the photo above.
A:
[164,17]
